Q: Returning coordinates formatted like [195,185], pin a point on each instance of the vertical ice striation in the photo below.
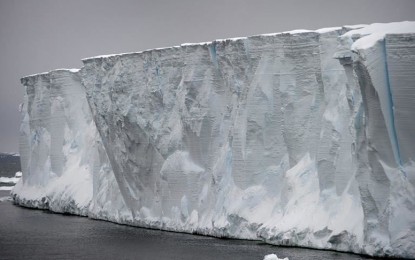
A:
[265,137]
[62,157]
[382,65]
[203,136]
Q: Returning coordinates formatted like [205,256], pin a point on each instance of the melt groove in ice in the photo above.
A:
[301,138]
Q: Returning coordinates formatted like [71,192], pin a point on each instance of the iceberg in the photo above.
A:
[300,138]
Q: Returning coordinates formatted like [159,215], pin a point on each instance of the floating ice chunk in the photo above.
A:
[274,257]
[9,179]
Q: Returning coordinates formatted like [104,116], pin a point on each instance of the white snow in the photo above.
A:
[263,137]
[107,55]
[369,35]
[328,29]
[274,257]
[46,73]
[193,44]
[355,26]
[297,31]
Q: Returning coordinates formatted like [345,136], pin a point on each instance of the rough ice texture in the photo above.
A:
[267,137]
[63,160]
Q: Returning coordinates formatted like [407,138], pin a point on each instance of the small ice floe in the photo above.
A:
[7,198]
[6,187]
[10,181]
[274,257]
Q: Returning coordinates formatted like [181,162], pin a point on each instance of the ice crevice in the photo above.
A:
[393,134]
[297,138]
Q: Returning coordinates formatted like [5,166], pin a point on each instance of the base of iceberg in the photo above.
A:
[301,138]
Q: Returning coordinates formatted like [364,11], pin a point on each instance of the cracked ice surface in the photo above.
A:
[265,137]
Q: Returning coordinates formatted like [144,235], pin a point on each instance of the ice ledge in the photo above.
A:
[73,70]
[366,35]
[207,44]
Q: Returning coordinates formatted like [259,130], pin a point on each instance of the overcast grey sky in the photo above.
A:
[41,35]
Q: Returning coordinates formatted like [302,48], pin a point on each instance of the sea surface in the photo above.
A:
[38,234]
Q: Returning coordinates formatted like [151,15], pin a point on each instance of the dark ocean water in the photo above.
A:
[36,234]
[9,165]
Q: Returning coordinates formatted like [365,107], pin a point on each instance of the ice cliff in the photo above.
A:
[300,138]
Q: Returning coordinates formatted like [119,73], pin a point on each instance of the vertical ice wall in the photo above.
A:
[62,157]
[384,149]
[267,137]
[241,138]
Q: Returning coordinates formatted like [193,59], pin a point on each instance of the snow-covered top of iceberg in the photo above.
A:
[73,70]
[366,35]
[370,34]
[293,32]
